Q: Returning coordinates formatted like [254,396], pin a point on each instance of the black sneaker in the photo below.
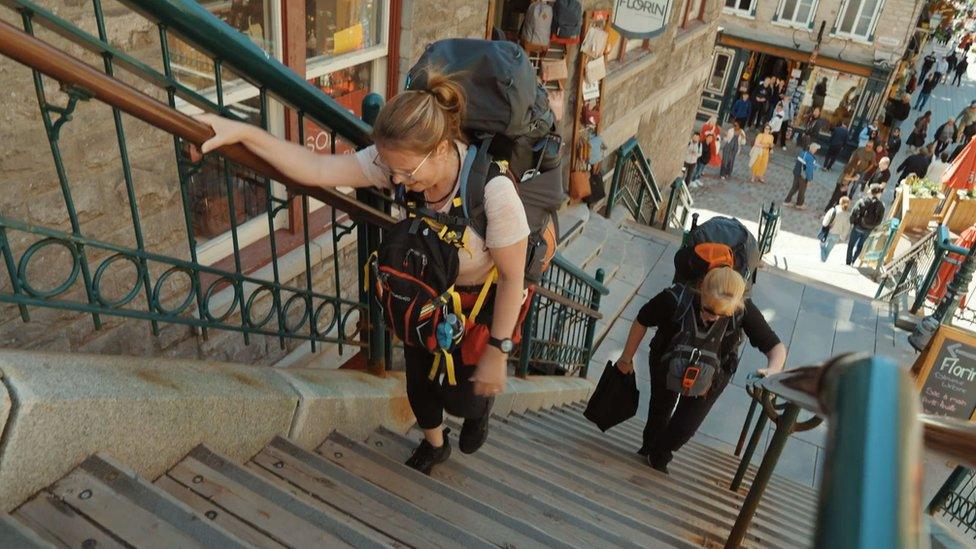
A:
[474,433]
[662,467]
[425,457]
[643,451]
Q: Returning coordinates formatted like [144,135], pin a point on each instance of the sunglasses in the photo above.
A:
[408,176]
[711,312]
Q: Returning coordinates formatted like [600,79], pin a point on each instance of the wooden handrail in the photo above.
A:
[952,437]
[43,57]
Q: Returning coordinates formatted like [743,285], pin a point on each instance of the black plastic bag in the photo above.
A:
[614,400]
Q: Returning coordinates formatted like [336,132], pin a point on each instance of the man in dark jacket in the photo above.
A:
[926,92]
[894,142]
[927,64]
[741,110]
[916,164]
[761,97]
[867,214]
[838,138]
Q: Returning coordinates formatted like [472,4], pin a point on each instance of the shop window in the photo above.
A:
[796,12]
[348,87]
[337,27]
[857,18]
[694,11]
[254,18]
[209,198]
[720,72]
[745,8]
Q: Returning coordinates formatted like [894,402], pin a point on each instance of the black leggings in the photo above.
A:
[429,399]
[666,432]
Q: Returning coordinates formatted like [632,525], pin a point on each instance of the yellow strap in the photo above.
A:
[372,257]
[492,277]
[448,365]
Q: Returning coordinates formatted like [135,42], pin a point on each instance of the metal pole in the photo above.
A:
[784,426]
[591,325]
[957,288]
[745,427]
[528,335]
[947,487]
[740,473]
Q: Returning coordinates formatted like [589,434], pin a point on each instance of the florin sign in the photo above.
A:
[641,18]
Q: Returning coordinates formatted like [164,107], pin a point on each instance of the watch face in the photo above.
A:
[507,345]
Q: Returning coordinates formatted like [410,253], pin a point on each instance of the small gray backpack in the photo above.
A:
[537,24]
[693,355]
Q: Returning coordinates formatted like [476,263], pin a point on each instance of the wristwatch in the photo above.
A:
[504,345]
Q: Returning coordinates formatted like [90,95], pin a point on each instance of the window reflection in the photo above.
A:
[334,27]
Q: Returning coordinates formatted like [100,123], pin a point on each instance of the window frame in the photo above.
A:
[778,18]
[688,22]
[852,35]
[748,13]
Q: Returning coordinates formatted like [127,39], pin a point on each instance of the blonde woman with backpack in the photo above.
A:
[834,227]
[419,144]
[711,317]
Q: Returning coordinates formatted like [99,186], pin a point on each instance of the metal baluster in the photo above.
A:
[229,185]
[591,322]
[126,168]
[184,172]
[8,259]
[313,329]
[272,211]
[335,258]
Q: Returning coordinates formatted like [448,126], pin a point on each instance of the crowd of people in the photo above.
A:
[773,110]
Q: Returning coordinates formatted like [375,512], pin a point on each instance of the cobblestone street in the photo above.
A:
[797,249]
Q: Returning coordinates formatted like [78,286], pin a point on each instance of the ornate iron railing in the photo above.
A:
[633,184]
[291,301]
[904,273]
[561,323]
[768,228]
[679,206]
[955,502]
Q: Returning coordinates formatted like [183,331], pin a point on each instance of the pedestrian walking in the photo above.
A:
[866,214]
[881,174]
[705,158]
[814,126]
[692,152]
[844,182]
[759,155]
[941,69]
[916,164]
[916,140]
[899,110]
[927,63]
[926,92]
[685,315]
[894,142]
[776,122]
[869,133]
[835,226]
[838,139]
[760,98]
[862,159]
[965,118]
[944,135]
[803,170]
[961,67]
[951,61]
[733,142]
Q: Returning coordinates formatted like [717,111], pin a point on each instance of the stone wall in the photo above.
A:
[427,21]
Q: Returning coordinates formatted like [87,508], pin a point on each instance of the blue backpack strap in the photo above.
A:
[474,177]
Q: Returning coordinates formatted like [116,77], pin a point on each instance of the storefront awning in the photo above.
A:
[726,39]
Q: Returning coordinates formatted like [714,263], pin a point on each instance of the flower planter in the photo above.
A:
[963,215]
[915,211]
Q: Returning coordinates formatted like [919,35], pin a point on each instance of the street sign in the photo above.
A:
[641,18]
[946,374]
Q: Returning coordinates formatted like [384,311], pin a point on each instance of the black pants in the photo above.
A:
[831,156]
[799,188]
[941,146]
[668,427]
[957,79]
[781,134]
[429,399]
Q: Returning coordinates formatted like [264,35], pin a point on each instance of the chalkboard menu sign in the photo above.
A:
[946,374]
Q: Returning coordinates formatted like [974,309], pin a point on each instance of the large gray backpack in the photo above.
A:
[693,355]
[567,18]
[537,24]
[507,118]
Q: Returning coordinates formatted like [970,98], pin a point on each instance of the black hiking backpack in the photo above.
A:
[690,266]
[507,119]
[694,354]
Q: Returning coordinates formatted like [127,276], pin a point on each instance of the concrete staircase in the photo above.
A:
[544,479]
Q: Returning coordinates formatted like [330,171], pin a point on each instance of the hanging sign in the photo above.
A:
[946,374]
[641,18]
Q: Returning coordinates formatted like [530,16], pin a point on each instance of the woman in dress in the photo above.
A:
[917,138]
[759,155]
[712,128]
[735,139]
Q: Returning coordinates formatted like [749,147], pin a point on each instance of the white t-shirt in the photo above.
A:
[507,223]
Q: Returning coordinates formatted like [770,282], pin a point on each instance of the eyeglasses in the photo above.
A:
[390,172]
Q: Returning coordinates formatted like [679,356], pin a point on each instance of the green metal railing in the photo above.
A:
[177,288]
[955,502]
[633,185]
[679,206]
[941,256]
[903,275]
[769,220]
[165,288]
[872,449]
[558,333]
